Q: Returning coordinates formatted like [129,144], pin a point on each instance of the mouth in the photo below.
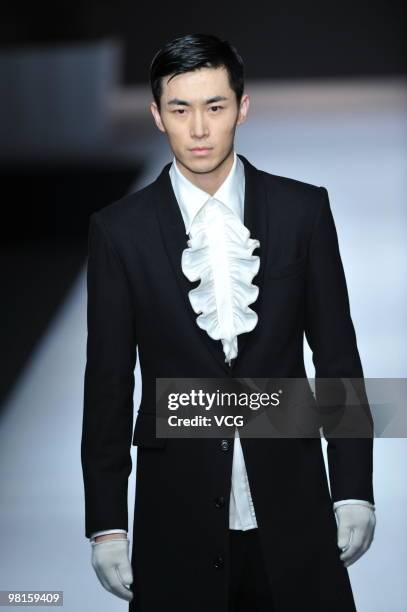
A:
[200,150]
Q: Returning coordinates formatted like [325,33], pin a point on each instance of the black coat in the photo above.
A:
[138,297]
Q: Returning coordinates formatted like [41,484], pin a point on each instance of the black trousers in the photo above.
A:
[249,588]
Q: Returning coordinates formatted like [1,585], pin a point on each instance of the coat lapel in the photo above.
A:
[175,241]
[256,221]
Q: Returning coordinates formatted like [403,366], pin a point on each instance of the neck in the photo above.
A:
[209,181]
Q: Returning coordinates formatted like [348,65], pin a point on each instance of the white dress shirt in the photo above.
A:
[218,242]
[214,256]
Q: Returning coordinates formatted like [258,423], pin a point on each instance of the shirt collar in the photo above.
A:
[191,198]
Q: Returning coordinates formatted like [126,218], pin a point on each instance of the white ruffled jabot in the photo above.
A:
[220,254]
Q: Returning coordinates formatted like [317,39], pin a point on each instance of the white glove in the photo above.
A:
[356,525]
[110,560]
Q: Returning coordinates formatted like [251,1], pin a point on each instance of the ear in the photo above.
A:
[157,116]
[243,109]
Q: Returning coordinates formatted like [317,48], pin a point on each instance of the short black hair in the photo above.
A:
[191,52]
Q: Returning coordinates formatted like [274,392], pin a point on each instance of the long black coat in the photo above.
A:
[138,297]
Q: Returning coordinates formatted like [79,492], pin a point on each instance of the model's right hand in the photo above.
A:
[110,560]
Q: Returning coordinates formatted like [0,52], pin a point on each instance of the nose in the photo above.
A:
[198,126]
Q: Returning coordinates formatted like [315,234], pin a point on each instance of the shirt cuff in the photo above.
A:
[105,532]
[362,502]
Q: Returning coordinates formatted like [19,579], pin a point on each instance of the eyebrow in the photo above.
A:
[179,102]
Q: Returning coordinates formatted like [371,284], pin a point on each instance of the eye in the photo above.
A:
[180,111]
[215,107]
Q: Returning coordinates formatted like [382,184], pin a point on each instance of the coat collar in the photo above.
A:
[175,240]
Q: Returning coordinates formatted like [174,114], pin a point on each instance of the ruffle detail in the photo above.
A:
[219,253]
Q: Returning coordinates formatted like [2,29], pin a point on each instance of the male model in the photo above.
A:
[217,269]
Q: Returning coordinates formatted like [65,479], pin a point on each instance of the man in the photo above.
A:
[219,525]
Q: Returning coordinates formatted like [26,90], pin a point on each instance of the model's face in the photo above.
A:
[199,109]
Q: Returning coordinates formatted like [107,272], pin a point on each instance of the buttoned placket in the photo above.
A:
[243,517]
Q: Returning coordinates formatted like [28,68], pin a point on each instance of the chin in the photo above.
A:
[196,164]
[204,165]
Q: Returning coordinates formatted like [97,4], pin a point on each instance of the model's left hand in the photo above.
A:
[356,525]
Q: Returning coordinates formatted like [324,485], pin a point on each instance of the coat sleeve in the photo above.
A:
[108,385]
[331,336]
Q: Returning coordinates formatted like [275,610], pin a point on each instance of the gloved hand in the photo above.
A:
[110,560]
[356,525]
